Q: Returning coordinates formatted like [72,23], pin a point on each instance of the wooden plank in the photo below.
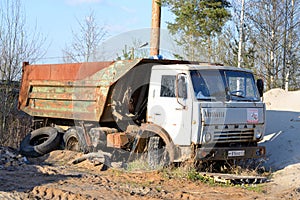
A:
[234,178]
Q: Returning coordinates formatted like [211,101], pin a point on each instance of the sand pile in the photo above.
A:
[279,99]
[282,137]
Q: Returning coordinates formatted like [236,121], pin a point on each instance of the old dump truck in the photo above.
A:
[169,110]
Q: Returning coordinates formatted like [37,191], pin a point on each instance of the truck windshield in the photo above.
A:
[224,85]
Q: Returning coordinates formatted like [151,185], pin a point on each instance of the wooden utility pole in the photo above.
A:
[155,28]
[241,34]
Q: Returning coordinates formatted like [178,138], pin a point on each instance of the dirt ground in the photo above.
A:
[54,176]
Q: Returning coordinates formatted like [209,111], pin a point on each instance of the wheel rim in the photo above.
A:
[72,144]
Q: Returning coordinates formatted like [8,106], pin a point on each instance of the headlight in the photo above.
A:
[258,135]
[259,132]
[207,137]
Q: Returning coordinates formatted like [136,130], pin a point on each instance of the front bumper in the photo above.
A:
[227,153]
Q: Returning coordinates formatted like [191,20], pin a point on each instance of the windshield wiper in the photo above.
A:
[207,98]
[237,93]
[240,96]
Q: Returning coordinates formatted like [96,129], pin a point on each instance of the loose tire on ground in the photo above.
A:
[74,140]
[40,142]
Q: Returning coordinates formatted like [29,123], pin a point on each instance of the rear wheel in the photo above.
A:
[74,140]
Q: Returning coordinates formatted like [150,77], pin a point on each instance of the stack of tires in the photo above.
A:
[44,140]
[40,142]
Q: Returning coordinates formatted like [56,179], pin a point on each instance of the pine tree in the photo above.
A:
[196,23]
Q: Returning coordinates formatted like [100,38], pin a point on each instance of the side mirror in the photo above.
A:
[181,86]
[181,89]
[260,87]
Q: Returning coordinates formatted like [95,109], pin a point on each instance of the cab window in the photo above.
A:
[167,86]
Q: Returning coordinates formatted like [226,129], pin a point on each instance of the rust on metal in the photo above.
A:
[73,91]
[41,84]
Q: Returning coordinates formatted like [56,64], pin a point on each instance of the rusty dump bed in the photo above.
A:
[81,91]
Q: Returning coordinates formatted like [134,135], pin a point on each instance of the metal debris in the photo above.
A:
[235,179]
[97,158]
[10,157]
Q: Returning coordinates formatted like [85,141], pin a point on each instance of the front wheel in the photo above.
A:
[158,155]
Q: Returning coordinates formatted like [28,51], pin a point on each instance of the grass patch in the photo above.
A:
[138,165]
[259,188]
[193,175]
[190,172]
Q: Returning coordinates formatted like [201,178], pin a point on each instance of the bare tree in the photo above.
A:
[241,33]
[86,42]
[276,27]
[236,44]
[270,42]
[291,71]
[17,44]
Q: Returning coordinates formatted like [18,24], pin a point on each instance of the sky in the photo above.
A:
[125,21]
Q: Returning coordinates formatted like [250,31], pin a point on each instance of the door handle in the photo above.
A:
[183,108]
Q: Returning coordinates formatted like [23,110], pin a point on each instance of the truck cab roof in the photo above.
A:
[200,66]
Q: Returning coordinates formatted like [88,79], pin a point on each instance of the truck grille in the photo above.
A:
[225,136]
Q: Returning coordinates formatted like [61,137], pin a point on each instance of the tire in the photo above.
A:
[157,156]
[40,142]
[74,140]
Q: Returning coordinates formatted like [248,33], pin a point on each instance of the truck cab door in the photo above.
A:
[170,104]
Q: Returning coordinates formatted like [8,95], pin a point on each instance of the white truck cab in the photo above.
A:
[213,112]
